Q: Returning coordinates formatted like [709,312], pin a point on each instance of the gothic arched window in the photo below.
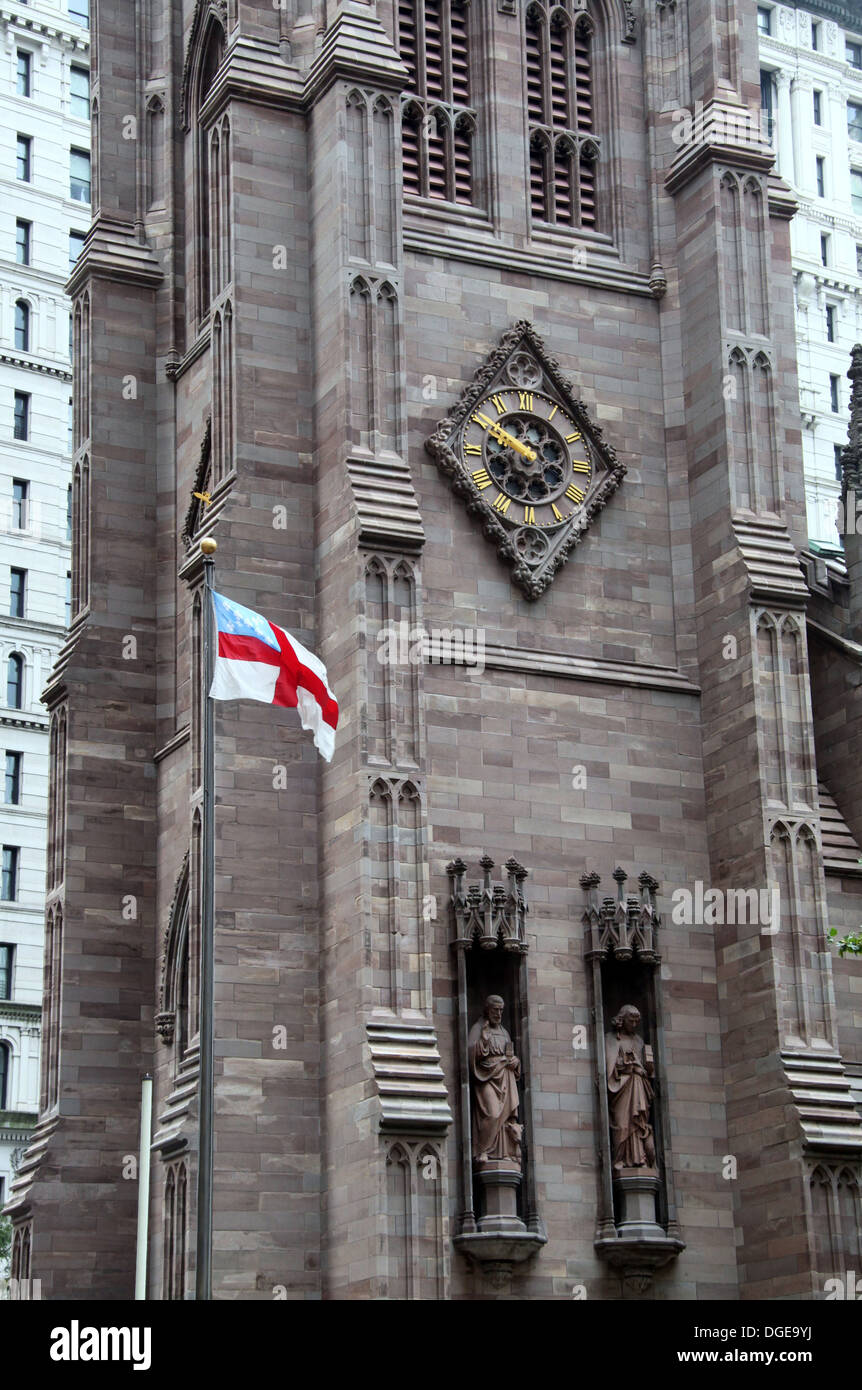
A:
[563,150]
[209,64]
[438,122]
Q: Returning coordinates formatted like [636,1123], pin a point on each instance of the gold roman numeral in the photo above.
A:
[472,448]
[526,400]
[553,412]
[500,404]
[558,515]
[575,493]
[530,515]
[502,503]
[580,466]
[482,420]
[482,478]
[570,438]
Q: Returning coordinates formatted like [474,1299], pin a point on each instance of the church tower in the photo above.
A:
[464,327]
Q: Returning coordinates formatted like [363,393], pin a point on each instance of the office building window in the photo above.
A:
[20,503]
[76,246]
[79,10]
[818,108]
[17,586]
[854,54]
[854,120]
[22,325]
[79,92]
[764,20]
[5,1069]
[25,65]
[830,323]
[23,231]
[838,450]
[79,176]
[767,100]
[24,160]
[834,397]
[821,176]
[6,956]
[15,681]
[70,441]
[856,190]
[22,415]
[858,259]
[824,248]
[815,37]
[13,778]
[11,854]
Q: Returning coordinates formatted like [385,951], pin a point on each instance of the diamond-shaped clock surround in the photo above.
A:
[521,360]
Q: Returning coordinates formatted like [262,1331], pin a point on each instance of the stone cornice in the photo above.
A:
[532,662]
[12,1011]
[180,738]
[356,48]
[535,261]
[28,364]
[715,127]
[176,366]
[9,721]
[831,9]
[113,252]
[254,70]
[72,35]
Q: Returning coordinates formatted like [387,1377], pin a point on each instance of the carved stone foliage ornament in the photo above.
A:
[522,452]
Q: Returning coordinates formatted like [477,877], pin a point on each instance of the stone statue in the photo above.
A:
[494,1071]
[630,1067]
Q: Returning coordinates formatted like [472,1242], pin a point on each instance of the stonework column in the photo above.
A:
[785,127]
[382,1132]
[104,679]
[801,92]
[747,504]
[840,156]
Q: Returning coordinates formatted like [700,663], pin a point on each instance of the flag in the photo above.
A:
[255,660]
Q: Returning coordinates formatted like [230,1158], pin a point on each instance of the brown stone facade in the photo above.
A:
[269,319]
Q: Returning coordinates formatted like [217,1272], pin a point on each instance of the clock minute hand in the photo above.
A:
[512,443]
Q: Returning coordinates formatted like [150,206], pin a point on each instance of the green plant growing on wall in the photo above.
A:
[849,945]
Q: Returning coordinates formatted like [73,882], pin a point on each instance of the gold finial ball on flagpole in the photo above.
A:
[208,546]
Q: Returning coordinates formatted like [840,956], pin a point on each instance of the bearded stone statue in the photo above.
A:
[494,1072]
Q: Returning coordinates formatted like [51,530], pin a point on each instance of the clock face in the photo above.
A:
[521,451]
[527,456]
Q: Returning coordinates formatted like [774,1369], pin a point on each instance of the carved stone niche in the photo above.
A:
[637,1230]
[499,1224]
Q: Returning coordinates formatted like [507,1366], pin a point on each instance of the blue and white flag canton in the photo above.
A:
[242,622]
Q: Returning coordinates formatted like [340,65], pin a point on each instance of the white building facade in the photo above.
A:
[811,88]
[44,215]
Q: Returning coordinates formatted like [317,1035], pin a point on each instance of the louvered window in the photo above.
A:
[563,148]
[438,122]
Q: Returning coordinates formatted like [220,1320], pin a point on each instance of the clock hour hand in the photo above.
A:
[512,443]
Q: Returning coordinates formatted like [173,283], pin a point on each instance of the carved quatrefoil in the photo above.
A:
[522,452]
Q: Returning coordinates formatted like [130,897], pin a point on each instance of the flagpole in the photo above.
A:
[203,1273]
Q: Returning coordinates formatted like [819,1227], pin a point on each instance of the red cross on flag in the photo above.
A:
[255,660]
